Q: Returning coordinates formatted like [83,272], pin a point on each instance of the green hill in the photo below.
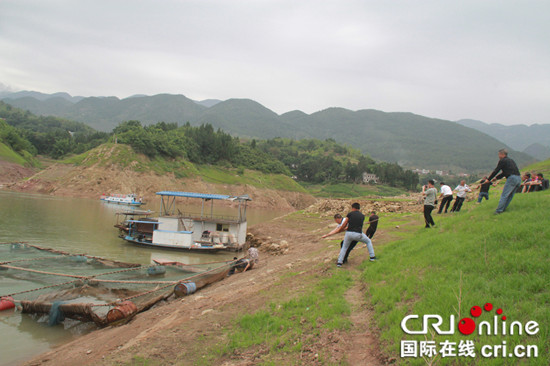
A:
[539,167]
[469,259]
[519,137]
[7,154]
[411,140]
[124,157]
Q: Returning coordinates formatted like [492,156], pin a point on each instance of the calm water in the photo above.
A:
[76,226]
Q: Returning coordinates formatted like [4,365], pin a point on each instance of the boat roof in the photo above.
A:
[204,196]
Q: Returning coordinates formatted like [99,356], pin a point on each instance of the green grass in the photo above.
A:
[349,190]
[216,174]
[470,258]
[288,327]
[7,154]
[540,167]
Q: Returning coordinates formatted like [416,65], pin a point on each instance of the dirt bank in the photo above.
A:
[91,182]
[11,172]
[181,331]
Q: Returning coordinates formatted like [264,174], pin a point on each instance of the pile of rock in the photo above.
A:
[267,244]
[330,207]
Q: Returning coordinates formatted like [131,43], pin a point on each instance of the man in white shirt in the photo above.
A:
[462,190]
[446,197]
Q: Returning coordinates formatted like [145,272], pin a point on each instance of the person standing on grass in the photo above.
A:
[510,171]
[429,192]
[342,226]
[373,224]
[462,190]
[354,232]
[446,197]
[484,186]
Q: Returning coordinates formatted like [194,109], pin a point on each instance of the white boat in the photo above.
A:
[122,199]
[202,231]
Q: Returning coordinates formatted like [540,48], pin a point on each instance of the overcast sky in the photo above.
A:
[485,60]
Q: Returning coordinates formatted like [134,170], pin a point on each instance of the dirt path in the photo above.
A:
[362,345]
[183,331]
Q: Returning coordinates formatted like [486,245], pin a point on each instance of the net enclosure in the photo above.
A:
[39,280]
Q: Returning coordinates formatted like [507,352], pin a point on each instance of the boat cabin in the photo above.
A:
[202,230]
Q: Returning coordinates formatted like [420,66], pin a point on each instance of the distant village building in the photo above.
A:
[368,177]
[421,171]
[439,172]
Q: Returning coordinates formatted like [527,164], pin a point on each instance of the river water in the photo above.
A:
[76,226]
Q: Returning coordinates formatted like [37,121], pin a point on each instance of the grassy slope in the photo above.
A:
[540,167]
[7,154]
[26,159]
[470,258]
[124,156]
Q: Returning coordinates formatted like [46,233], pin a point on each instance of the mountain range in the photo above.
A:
[411,140]
[533,140]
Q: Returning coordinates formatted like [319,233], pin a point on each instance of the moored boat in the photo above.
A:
[122,199]
[174,229]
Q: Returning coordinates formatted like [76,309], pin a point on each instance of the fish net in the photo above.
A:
[88,288]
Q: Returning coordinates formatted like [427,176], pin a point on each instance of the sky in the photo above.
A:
[487,60]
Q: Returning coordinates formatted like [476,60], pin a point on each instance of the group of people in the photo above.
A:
[446,196]
[352,225]
[532,183]
[506,168]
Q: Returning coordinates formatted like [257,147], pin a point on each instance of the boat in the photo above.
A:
[201,232]
[122,199]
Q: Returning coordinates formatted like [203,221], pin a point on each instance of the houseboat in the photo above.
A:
[199,231]
[122,199]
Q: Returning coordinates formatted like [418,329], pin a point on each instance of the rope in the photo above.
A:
[154,290]
[42,272]
[84,255]
[120,271]
[199,264]
[86,278]
[40,288]
[137,282]
[133,296]
[28,260]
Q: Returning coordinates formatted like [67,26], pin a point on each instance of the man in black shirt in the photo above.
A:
[355,220]
[513,180]
[484,186]
[373,224]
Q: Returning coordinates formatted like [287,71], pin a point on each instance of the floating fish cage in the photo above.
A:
[44,281]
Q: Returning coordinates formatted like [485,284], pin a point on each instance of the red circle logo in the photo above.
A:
[466,326]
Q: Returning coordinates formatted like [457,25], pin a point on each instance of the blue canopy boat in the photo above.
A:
[202,231]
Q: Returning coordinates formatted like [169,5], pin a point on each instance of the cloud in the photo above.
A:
[469,59]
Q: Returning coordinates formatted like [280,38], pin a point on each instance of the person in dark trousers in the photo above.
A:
[342,226]
[354,232]
[446,197]
[429,193]
[484,189]
[510,171]
[462,191]
[373,224]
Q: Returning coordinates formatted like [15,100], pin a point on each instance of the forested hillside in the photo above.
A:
[310,160]
[410,140]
